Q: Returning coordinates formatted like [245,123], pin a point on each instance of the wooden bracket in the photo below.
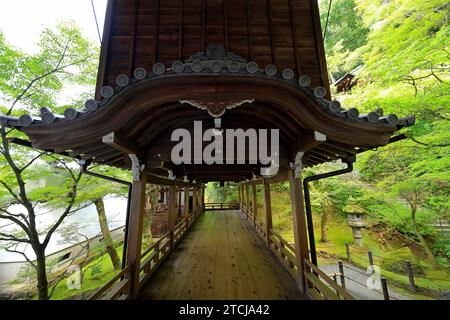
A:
[127,146]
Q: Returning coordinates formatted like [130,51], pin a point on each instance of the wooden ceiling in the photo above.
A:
[140,33]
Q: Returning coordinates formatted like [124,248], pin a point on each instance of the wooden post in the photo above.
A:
[186,201]
[134,243]
[385,288]
[341,271]
[242,195]
[247,199]
[172,205]
[300,235]
[267,210]
[409,269]
[254,203]
[203,200]
[194,201]
[239,194]
[347,249]
[179,202]
[370,255]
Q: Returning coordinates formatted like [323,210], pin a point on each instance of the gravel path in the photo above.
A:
[355,282]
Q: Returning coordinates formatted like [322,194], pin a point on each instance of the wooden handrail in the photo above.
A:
[316,273]
[285,252]
[97,294]
[153,257]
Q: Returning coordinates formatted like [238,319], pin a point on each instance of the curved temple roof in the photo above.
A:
[143,111]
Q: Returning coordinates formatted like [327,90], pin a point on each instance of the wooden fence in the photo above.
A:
[319,286]
[151,259]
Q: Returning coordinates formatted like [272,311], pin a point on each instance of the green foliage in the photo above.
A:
[216,194]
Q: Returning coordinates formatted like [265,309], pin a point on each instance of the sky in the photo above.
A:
[23,20]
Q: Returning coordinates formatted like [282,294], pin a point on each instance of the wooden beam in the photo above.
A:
[309,140]
[127,146]
[299,220]
[135,227]
[267,209]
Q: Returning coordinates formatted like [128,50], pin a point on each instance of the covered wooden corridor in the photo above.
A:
[222,257]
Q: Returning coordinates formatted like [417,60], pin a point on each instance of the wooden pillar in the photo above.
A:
[300,234]
[239,194]
[247,200]
[267,209]
[203,200]
[254,202]
[194,200]
[186,201]
[135,228]
[172,205]
[179,202]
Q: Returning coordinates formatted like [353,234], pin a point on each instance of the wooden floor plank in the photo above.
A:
[221,258]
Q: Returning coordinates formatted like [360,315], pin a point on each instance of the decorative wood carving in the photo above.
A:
[218,108]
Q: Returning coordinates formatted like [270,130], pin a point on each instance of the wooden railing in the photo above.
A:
[221,206]
[319,286]
[114,289]
[285,252]
[151,259]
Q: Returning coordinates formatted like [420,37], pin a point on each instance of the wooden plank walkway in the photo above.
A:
[221,258]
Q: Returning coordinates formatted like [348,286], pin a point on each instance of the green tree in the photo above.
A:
[30,82]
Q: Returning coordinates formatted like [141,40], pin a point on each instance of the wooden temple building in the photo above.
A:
[252,63]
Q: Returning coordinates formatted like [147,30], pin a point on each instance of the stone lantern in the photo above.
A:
[355,221]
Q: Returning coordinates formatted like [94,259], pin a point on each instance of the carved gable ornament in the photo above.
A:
[218,108]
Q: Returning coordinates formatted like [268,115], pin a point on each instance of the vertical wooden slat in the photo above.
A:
[135,228]
[267,209]
[320,47]
[180,31]
[300,235]
[156,32]
[294,36]
[133,39]
[225,23]
[204,25]
[104,52]
[272,42]
[249,30]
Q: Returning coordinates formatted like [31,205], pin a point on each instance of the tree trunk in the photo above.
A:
[323,226]
[41,273]
[422,241]
[106,234]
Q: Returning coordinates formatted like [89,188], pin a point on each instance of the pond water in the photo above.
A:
[85,220]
